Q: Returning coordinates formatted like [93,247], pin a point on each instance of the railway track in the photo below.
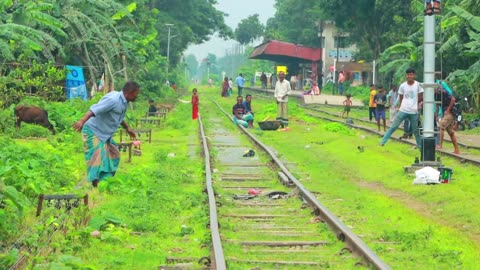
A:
[284,226]
[371,128]
[365,126]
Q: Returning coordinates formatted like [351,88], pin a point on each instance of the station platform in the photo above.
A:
[334,100]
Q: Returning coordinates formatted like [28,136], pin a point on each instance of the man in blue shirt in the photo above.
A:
[98,126]
[240,117]
[240,81]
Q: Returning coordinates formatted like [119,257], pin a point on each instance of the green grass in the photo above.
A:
[410,227]
[154,206]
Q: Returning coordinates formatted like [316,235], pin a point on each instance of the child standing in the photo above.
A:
[347,103]
[151,108]
[195,102]
[380,100]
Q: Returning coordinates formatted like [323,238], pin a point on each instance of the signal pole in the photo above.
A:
[428,136]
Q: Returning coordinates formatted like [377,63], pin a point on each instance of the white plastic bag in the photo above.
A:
[426,175]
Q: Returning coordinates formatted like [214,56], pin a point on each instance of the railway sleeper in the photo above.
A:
[276,262]
[280,243]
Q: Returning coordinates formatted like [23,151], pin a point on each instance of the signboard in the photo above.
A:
[75,83]
[282,68]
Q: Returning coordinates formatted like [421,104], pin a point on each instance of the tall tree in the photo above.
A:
[28,30]
[249,29]
[373,24]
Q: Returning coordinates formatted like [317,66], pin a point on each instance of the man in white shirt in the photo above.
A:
[282,90]
[410,93]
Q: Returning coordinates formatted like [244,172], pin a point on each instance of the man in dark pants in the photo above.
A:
[448,120]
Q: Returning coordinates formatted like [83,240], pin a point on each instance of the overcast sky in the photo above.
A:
[237,10]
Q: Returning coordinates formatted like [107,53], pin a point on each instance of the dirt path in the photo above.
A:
[423,209]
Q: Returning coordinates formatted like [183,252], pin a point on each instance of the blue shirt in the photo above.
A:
[109,113]
[246,105]
[240,81]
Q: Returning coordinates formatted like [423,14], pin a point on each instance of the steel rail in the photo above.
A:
[364,121]
[344,234]
[463,159]
[219,259]
[299,97]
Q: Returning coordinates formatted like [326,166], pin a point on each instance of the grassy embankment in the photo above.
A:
[411,227]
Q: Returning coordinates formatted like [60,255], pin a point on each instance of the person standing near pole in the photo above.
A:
[392,98]
[448,120]
[98,126]
[410,93]
[282,91]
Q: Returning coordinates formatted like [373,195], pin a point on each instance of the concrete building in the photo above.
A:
[338,54]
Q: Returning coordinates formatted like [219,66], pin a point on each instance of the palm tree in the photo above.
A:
[27,29]
[94,40]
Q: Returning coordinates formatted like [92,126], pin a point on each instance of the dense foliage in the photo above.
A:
[123,39]
[391,33]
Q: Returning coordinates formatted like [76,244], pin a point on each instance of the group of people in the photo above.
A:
[408,104]
[243,113]
[227,85]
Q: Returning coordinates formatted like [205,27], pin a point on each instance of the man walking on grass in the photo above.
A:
[98,126]
[448,120]
[410,93]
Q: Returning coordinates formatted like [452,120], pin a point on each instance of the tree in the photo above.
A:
[192,64]
[27,30]
[249,29]
[294,21]
[373,25]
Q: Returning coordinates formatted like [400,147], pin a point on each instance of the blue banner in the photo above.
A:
[75,83]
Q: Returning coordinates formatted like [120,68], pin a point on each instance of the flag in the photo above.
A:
[75,83]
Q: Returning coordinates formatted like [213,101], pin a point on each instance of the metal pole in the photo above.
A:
[338,52]
[168,48]
[374,73]
[428,147]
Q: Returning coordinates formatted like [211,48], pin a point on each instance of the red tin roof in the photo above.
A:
[280,51]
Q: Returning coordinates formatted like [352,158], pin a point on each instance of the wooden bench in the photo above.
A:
[161,113]
[139,132]
[155,121]
[126,146]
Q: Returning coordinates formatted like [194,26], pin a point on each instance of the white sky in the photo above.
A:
[237,10]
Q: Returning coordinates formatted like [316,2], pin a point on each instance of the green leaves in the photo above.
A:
[249,29]
[122,13]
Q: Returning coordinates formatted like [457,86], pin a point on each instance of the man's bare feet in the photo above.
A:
[456,152]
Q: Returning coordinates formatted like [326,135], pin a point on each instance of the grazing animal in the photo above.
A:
[33,115]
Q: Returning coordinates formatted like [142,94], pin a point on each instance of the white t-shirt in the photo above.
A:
[410,97]
[282,88]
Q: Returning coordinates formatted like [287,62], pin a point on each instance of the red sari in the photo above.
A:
[224,88]
[195,102]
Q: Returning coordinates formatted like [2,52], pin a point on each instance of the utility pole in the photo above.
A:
[169,25]
[322,45]
[336,63]
[428,137]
